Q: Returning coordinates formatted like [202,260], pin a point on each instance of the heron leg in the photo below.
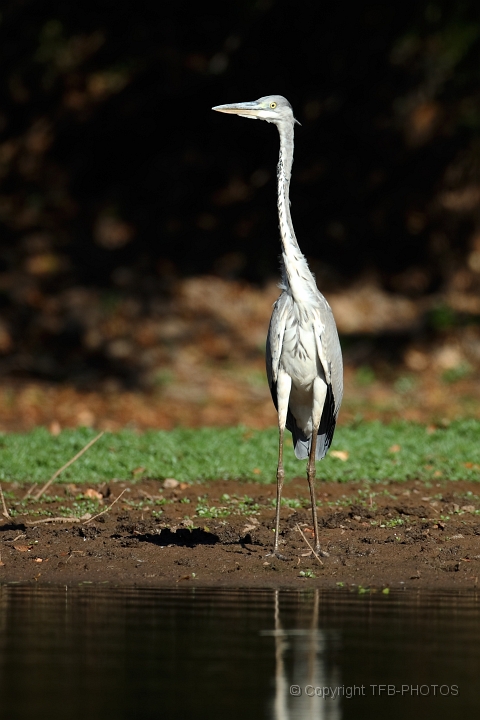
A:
[319,394]
[280,479]
[311,472]
[284,384]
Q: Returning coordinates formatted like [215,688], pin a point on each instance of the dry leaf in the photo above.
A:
[138,471]
[340,454]
[94,494]
[22,548]
[37,560]
[394,448]
[170,483]
[469,508]
[256,471]
[72,489]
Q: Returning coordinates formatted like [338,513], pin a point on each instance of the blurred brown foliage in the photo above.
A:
[201,358]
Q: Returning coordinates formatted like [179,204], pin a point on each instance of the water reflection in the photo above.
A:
[195,653]
[303,694]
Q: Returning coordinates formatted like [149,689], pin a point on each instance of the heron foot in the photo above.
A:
[277,554]
[318,551]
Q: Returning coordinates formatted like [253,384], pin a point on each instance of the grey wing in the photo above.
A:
[330,353]
[276,331]
[275,335]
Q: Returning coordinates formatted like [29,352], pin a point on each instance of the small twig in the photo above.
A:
[5,512]
[311,548]
[29,492]
[80,553]
[151,497]
[73,518]
[108,509]
[64,467]
[54,519]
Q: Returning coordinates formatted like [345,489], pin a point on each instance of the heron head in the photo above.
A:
[272,108]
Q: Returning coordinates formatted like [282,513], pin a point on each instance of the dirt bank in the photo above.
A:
[388,535]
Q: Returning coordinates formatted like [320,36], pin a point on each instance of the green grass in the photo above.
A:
[450,453]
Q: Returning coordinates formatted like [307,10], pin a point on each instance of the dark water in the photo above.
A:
[89,652]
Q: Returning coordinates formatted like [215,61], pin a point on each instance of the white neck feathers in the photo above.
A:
[296,276]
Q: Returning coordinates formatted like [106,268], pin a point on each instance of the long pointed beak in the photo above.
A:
[246,109]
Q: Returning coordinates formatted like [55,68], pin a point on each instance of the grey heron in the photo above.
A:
[304,358]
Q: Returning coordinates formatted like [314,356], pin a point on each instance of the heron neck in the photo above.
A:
[296,275]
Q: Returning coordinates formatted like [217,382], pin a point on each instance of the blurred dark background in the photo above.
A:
[118,182]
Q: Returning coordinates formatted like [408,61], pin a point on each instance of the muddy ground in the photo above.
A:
[377,535]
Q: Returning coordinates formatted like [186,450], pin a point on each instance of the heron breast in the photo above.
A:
[299,356]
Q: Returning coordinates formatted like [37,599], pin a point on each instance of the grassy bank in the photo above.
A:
[365,451]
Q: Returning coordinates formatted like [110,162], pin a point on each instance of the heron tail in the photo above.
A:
[302,443]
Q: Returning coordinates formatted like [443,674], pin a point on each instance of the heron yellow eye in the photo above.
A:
[273,105]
